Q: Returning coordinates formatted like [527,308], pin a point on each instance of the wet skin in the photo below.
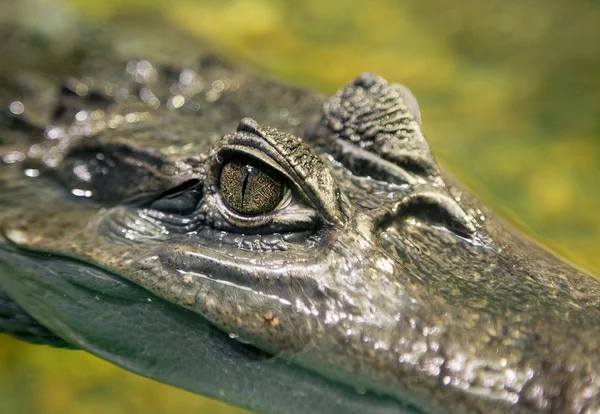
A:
[280,250]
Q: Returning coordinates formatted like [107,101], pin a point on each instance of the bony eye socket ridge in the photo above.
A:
[251,188]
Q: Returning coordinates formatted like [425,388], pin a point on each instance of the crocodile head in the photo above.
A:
[282,251]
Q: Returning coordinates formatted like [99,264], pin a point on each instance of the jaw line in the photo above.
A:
[162,341]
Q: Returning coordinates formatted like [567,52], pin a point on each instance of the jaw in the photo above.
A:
[104,314]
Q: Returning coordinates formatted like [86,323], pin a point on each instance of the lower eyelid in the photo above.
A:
[291,218]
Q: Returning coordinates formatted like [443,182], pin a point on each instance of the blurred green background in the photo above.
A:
[510,95]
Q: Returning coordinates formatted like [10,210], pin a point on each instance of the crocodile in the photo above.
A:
[278,249]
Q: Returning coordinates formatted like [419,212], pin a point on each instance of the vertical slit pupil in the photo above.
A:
[250,187]
[249,171]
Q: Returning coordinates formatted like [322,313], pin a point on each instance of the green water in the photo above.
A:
[510,96]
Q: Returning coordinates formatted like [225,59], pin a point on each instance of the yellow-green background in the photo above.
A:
[510,95]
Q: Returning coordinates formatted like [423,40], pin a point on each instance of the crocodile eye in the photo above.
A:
[250,187]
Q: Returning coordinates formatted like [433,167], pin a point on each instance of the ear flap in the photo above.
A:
[373,128]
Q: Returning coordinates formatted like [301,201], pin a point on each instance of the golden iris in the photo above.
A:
[250,187]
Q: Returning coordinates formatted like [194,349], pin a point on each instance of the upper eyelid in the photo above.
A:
[226,151]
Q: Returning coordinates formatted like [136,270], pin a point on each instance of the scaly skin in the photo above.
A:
[380,274]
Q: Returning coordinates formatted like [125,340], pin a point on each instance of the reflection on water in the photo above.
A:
[510,99]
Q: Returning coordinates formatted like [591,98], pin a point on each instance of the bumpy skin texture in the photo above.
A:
[379,275]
